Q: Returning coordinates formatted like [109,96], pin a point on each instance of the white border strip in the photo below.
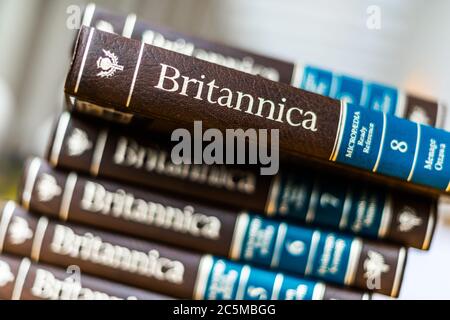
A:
[343,222]
[243,280]
[83,61]
[39,234]
[30,180]
[61,128]
[399,272]
[318,291]
[430,227]
[136,72]
[355,254]
[297,75]
[67,196]
[128,27]
[204,270]
[277,286]
[282,229]
[380,151]
[400,108]
[240,229]
[6,215]
[340,131]
[88,14]
[312,252]
[416,153]
[273,195]
[98,152]
[386,217]
[20,279]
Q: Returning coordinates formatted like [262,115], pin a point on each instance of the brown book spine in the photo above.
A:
[148,265]
[20,279]
[310,78]
[243,60]
[138,157]
[127,75]
[241,236]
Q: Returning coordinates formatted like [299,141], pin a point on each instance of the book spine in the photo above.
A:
[301,195]
[116,72]
[23,280]
[146,265]
[372,95]
[243,237]
[131,27]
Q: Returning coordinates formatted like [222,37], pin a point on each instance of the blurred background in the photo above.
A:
[410,49]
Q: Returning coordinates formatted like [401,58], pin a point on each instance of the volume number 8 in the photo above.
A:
[401,146]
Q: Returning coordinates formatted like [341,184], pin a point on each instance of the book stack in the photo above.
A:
[356,187]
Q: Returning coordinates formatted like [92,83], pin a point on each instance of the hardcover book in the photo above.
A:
[372,95]
[131,76]
[303,196]
[20,279]
[245,237]
[149,265]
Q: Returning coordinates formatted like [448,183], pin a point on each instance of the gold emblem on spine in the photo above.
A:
[109,64]
[6,276]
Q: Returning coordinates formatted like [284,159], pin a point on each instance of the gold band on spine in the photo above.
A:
[340,131]
[297,75]
[441,113]
[136,72]
[343,222]
[240,228]
[6,215]
[355,254]
[67,196]
[33,171]
[386,217]
[128,28]
[39,234]
[430,228]
[279,242]
[313,201]
[243,280]
[380,151]
[399,272]
[333,86]
[319,291]
[203,272]
[58,140]
[20,279]
[83,61]
[366,296]
[400,108]
[312,252]
[277,286]
[274,192]
[98,152]
[88,14]
[416,154]
[448,187]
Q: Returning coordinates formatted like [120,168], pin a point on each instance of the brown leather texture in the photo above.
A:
[103,268]
[108,211]
[44,282]
[244,60]
[240,187]
[164,177]
[113,92]
[137,212]
[27,244]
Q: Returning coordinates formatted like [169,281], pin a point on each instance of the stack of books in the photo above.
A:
[356,187]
